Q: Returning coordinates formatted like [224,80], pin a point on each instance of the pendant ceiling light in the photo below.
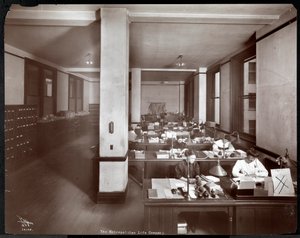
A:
[179,61]
[89,59]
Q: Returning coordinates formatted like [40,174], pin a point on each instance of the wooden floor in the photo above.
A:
[56,195]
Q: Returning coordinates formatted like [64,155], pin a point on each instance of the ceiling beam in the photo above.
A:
[51,18]
[169,70]
[201,18]
[162,82]
[83,18]
[85,70]
[285,17]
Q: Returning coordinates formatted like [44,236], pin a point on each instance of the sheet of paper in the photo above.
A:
[176,183]
[192,192]
[213,178]
[158,183]
[282,182]
[168,193]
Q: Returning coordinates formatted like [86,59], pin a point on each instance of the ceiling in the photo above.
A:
[64,34]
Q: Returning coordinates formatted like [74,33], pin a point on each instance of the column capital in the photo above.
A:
[202,69]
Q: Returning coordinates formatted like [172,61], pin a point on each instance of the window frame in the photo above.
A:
[217,97]
[237,85]
[210,95]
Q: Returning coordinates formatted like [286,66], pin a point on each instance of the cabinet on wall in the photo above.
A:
[54,133]
[20,129]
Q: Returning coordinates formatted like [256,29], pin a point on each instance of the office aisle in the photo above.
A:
[55,194]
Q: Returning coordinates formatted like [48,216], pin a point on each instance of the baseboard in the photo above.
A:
[112,197]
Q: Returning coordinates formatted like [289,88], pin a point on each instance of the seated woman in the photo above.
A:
[250,166]
[138,131]
[181,169]
[222,146]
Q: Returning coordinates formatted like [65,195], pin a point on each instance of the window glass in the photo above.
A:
[48,82]
[249,97]
[217,97]
[48,90]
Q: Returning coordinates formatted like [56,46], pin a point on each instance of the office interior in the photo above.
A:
[79,79]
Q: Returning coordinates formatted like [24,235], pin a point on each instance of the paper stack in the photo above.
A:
[139,154]
[162,155]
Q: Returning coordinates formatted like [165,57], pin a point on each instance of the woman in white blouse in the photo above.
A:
[250,166]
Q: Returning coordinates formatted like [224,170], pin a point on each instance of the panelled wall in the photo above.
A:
[14,79]
[277,91]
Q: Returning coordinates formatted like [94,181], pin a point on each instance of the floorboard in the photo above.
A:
[55,192]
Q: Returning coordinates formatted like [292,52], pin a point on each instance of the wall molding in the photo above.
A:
[113,159]
[23,54]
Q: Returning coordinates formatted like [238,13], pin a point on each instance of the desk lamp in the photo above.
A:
[218,170]
[188,179]
[284,161]
[237,140]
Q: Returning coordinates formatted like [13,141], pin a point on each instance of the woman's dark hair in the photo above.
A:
[252,152]
[188,152]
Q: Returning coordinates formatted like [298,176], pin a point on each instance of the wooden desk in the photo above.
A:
[161,215]
[250,216]
[161,168]
[166,146]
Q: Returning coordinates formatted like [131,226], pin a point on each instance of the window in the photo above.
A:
[252,102]
[217,98]
[252,72]
[249,97]
[213,91]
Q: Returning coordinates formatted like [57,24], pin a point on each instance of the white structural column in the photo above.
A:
[113,129]
[202,94]
[196,97]
[136,95]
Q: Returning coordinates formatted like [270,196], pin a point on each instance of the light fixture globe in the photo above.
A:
[89,60]
[179,62]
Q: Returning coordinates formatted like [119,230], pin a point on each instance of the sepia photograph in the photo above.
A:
[150,119]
